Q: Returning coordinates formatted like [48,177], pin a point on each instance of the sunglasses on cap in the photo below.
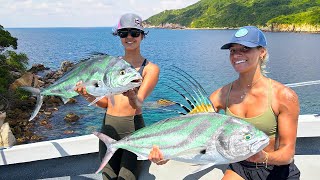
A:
[123,33]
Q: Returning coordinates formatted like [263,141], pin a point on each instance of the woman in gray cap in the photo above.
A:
[264,102]
[124,116]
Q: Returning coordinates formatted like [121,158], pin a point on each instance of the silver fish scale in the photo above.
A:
[92,68]
[96,73]
[174,136]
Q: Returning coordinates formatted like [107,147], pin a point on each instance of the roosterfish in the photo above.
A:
[201,136]
[102,75]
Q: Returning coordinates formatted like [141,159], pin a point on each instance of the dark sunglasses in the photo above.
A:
[123,33]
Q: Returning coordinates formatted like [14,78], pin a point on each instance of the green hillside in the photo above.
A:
[236,13]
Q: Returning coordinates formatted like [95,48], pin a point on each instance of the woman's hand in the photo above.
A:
[260,157]
[131,94]
[133,97]
[80,89]
[156,156]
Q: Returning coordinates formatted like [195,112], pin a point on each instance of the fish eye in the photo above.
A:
[122,72]
[247,137]
[96,84]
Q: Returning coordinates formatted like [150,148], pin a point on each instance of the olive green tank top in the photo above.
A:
[266,122]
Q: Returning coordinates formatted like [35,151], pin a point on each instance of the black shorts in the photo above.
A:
[123,164]
[251,171]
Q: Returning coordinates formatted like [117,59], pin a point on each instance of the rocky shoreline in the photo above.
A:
[306,28]
[19,111]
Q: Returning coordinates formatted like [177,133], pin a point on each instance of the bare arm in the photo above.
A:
[215,99]
[288,109]
[150,80]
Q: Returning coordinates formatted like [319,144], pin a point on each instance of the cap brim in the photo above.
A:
[129,27]
[244,43]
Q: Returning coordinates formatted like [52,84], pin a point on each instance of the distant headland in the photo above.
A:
[269,15]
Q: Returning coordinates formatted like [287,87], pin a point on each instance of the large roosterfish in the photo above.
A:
[202,136]
[101,74]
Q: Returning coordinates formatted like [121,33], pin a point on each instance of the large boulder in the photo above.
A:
[7,138]
[27,79]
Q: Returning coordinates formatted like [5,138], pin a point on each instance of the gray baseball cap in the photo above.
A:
[249,36]
[130,20]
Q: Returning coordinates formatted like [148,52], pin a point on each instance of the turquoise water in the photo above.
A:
[293,58]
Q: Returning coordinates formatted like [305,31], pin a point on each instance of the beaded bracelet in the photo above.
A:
[265,161]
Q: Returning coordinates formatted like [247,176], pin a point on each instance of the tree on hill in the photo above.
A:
[10,61]
[236,13]
[6,40]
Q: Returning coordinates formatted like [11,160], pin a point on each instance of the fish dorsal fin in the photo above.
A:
[82,65]
[198,98]
[202,108]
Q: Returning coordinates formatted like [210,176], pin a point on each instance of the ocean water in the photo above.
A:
[293,58]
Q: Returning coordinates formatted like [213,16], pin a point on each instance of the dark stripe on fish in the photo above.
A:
[197,132]
[168,131]
[202,127]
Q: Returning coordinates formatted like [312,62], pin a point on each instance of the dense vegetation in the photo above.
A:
[11,63]
[236,13]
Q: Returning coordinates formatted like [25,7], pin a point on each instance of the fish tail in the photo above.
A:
[35,92]
[110,151]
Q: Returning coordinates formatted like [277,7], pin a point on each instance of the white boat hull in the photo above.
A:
[57,152]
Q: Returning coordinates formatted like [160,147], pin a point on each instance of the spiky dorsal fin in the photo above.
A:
[198,101]
[202,108]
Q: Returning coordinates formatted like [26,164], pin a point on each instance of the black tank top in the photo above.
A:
[142,66]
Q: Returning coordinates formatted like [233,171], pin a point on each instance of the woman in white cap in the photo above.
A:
[124,116]
[266,103]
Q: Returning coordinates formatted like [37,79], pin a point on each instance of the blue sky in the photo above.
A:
[79,13]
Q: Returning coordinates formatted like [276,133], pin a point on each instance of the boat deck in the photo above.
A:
[77,158]
[83,167]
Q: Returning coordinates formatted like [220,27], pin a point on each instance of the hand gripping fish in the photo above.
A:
[200,137]
[101,74]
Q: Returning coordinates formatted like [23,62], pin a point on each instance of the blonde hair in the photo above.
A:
[263,63]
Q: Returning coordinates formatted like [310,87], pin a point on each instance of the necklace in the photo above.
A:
[249,87]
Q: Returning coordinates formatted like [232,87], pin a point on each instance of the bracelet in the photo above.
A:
[88,98]
[265,161]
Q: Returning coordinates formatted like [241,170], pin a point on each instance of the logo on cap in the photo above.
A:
[137,22]
[241,32]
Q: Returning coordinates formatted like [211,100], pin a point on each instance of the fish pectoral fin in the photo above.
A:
[96,100]
[203,167]
[141,158]
[65,100]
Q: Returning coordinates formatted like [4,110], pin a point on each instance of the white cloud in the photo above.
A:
[81,13]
